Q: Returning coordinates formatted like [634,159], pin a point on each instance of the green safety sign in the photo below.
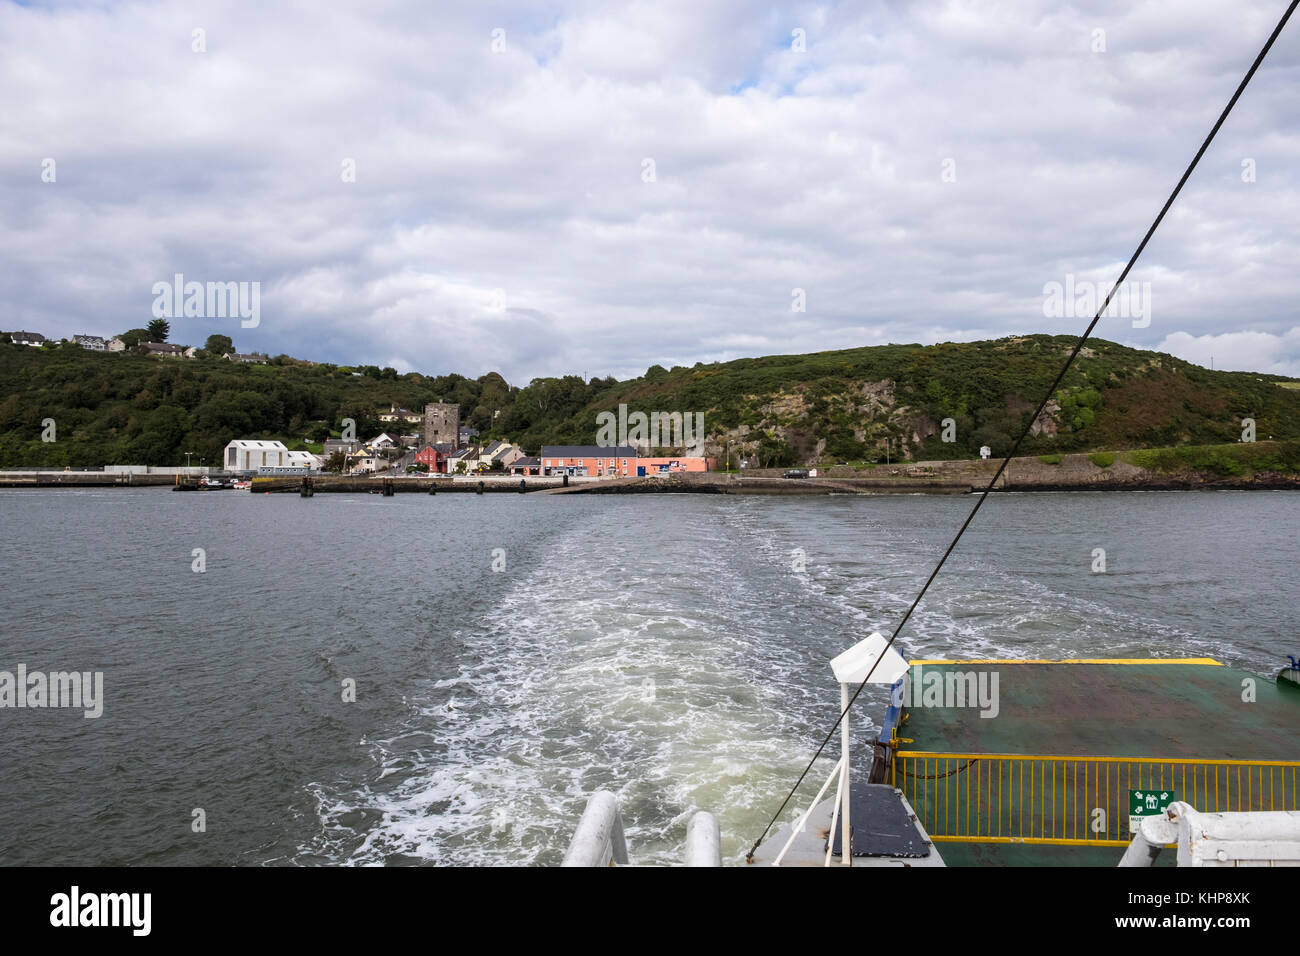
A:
[1149,803]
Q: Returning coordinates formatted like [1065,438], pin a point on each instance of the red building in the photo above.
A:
[428,455]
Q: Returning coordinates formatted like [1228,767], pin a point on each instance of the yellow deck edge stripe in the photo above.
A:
[1080,758]
[1033,841]
[1205,661]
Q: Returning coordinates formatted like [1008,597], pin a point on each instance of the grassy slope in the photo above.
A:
[1114,398]
[121,407]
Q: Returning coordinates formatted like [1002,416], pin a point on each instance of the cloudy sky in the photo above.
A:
[593,187]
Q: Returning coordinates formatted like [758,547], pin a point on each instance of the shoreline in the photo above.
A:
[1237,470]
[712,483]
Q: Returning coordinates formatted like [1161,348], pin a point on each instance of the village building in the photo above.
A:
[34,339]
[335,446]
[671,465]
[256,455]
[93,342]
[246,358]
[500,452]
[396,414]
[431,458]
[166,350]
[528,465]
[589,460]
[464,461]
[442,423]
[115,344]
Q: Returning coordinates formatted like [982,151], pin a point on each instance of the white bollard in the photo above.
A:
[599,839]
[703,841]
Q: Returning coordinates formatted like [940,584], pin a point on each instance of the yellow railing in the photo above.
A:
[1014,798]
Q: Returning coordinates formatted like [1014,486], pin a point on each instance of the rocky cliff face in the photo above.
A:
[946,401]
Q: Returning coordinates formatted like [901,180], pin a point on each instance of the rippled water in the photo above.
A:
[659,646]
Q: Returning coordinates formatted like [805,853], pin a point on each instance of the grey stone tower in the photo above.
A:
[442,423]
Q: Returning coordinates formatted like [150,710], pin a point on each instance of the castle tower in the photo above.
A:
[442,423]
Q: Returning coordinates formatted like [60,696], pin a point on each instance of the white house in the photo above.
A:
[251,455]
[93,342]
[500,451]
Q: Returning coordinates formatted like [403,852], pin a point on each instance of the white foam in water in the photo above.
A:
[553,702]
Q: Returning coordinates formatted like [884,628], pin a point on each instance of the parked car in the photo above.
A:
[796,473]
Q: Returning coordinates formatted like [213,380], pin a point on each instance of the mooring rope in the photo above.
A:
[1241,87]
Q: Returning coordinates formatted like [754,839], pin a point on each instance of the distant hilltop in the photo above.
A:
[877,403]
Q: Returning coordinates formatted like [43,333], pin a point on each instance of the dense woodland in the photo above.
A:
[852,405]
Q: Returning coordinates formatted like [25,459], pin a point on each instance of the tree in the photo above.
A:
[336,462]
[158,330]
[218,345]
[133,337]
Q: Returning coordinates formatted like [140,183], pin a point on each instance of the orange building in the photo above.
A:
[594,461]
[599,461]
[669,466]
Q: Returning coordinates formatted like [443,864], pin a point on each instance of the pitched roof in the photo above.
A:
[258,445]
[588,451]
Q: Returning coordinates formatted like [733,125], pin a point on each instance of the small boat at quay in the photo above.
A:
[203,484]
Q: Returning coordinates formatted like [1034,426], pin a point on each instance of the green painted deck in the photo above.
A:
[1144,724]
[1109,709]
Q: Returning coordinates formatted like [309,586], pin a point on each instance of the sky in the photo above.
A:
[594,187]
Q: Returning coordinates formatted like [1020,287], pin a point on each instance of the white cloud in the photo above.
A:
[1239,351]
[521,171]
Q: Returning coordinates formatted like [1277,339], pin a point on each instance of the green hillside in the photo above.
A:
[828,406]
[845,405]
